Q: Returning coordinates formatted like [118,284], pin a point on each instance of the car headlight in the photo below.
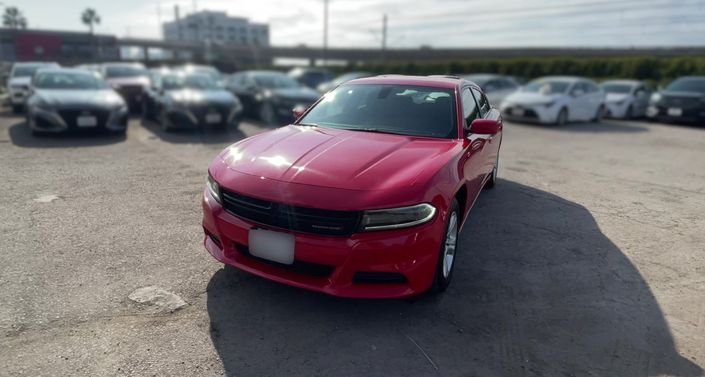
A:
[395,218]
[213,188]
[549,104]
[655,97]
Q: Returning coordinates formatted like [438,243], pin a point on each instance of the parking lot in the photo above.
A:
[587,260]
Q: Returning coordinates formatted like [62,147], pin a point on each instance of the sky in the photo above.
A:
[412,23]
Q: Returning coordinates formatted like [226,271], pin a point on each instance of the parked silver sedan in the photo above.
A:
[625,99]
[69,99]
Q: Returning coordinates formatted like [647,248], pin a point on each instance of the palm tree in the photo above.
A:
[14,19]
[90,17]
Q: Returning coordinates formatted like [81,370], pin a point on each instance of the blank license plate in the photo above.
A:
[518,112]
[86,121]
[213,118]
[274,246]
[675,112]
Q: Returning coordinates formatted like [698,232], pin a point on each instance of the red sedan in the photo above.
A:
[364,195]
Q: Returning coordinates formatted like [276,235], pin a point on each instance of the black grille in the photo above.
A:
[299,267]
[297,219]
[70,116]
[200,112]
[681,102]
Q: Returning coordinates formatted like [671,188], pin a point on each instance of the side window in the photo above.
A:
[470,109]
[591,88]
[482,102]
[578,89]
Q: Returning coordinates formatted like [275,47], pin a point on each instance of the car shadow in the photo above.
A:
[607,126]
[21,136]
[538,291]
[186,136]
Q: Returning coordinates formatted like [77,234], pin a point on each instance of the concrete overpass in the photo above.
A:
[265,55]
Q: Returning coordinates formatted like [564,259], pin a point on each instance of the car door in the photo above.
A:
[490,147]
[595,99]
[472,162]
[641,100]
[579,101]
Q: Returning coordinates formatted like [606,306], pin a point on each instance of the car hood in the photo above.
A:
[683,94]
[121,81]
[338,159]
[616,97]
[192,95]
[19,81]
[101,97]
[305,94]
[529,98]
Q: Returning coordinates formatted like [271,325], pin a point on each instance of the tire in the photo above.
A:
[445,265]
[599,115]
[145,111]
[630,113]
[17,109]
[267,114]
[492,182]
[164,122]
[562,118]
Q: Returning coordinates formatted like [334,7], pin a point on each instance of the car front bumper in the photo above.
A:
[194,117]
[530,113]
[17,96]
[686,115]
[384,264]
[65,119]
[617,110]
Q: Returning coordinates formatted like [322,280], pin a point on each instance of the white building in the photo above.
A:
[217,27]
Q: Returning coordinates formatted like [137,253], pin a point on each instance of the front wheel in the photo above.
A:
[447,254]
[599,115]
[562,118]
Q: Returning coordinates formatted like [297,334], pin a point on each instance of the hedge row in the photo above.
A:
[642,68]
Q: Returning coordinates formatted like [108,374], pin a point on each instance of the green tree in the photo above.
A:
[90,17]
[14,19]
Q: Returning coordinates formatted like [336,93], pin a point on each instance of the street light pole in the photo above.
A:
[325,31]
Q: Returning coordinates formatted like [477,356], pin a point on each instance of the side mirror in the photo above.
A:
[298,111]
[485,126]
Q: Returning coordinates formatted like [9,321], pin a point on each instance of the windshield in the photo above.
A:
[25,71]
[68,81]
[616,88]
[192,81]
[397,109]
[275,81]
[124,71]
[687,85]
[547,87]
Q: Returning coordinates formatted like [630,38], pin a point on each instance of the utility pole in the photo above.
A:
[325,31]
[159,19]
[384,36]
[178,21]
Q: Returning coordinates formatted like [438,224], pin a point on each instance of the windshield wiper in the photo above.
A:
[307,124]
[377,130]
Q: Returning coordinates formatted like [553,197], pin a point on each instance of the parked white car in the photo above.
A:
[626,99]
[496,87]
[556,100]
[18,82]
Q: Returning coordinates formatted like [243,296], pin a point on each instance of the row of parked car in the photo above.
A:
[57,99]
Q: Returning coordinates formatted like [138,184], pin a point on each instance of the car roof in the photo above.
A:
[123,64]
[34,64]
[68,70]
[564,78]
[446,82]
[622,82]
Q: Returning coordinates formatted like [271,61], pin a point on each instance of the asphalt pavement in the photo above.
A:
[588,259]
